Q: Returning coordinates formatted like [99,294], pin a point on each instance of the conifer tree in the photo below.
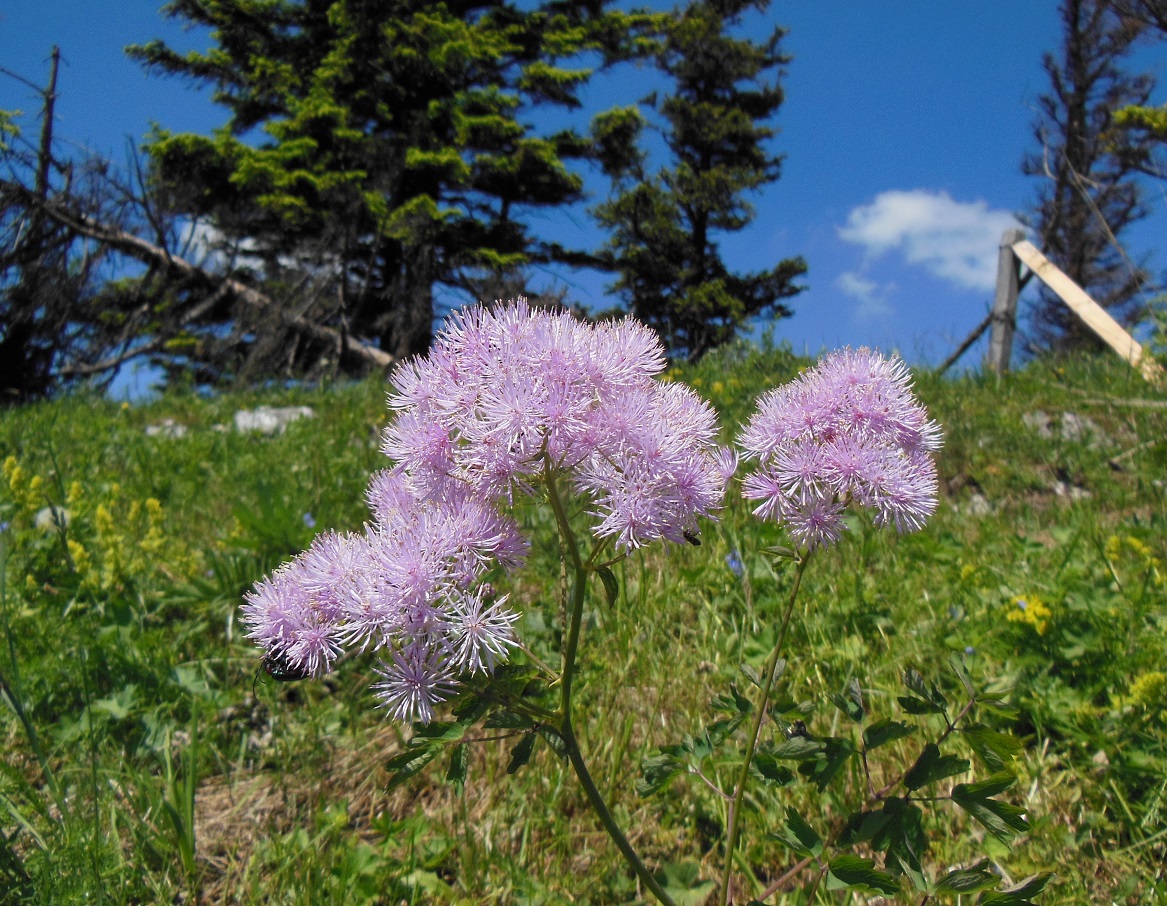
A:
[1089,192]
[1145,123]
[664,222]
[377,146]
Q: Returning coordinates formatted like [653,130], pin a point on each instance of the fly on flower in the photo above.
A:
[279,667]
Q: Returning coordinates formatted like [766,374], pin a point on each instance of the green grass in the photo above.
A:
[146,758]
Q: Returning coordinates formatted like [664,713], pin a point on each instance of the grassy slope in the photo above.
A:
[137,692]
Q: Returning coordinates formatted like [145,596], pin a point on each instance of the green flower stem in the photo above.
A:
[566,729]
[771,668]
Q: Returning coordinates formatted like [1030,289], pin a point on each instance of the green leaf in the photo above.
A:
[554,740]
[771,772]
[508,720]
[847,870]
[924,689]
[658,772]
[904,840]
[784,706]
[403,766]
[1002,820]
[990,786]
[836,751]
[449,731]
[611,586]
[932,766]
[798,748]
[957,664]
[719,731]
[521,753]
[995,750]
[884,731]
[863,826]
[512,679]
[456,773]
[914,705]
[682,882]
[1020,894]
[734,703]
[968,880]
[470,709]
[797,835]
[909,864]
[850,702]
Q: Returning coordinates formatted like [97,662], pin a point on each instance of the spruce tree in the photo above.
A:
[1143,123]
[664,222]
[1089,192]
[377,147]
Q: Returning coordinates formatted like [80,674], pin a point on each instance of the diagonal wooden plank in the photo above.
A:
[1093,314]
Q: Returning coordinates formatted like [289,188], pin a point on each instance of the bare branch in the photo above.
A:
[148,252]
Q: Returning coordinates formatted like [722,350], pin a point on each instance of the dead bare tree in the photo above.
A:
[96,270]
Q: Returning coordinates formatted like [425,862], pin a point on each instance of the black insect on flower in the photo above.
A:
[277,665]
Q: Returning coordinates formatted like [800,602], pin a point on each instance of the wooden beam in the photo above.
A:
[1092,314]
[1004,314]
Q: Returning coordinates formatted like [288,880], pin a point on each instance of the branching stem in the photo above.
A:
[566,729]
[739,792]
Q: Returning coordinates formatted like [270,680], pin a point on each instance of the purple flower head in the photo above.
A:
[506,399]
[413,681]
[481,632]
[847,431]
[507,394]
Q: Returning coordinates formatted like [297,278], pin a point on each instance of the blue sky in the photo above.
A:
[903,130]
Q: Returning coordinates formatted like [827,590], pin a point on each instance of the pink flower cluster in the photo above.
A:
[505,399]
[505,392]
[847,431]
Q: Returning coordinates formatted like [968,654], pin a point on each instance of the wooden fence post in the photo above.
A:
[1004,315]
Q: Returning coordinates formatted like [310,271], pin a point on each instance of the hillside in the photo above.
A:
[148,757]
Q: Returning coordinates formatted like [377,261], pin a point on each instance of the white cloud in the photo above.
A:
[871,296]
[957,241]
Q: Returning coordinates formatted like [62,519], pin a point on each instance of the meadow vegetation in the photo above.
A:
[148,758]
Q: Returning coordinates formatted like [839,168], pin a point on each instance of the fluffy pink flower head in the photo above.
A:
[505,397]
[847,431]
[508,392]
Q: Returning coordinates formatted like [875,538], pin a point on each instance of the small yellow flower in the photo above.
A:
[80,557]
[1031,610]
[1149,690]
[103,520]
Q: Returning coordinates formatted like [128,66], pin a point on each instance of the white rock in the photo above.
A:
[51,518]
[1064,489]
[167,428]
[270,420]
[1038,422]
[1079,427]
[977,505]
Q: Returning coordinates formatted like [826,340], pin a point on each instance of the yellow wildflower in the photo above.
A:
[1149,690]
[1031,610]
